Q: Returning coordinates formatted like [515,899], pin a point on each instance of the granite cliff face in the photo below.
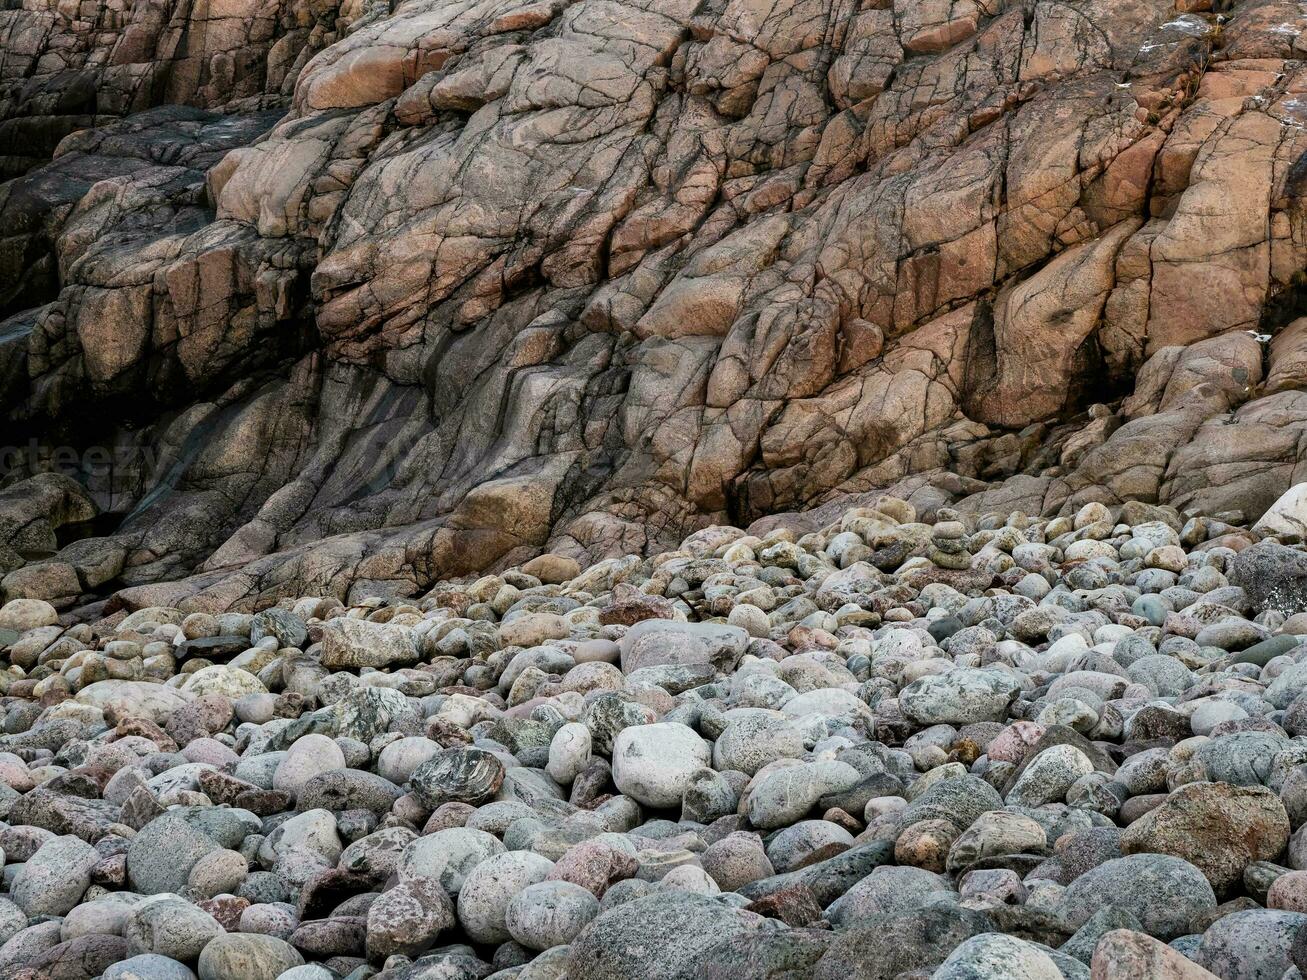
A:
[344,296]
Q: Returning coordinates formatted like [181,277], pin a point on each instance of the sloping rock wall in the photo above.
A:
[499,275]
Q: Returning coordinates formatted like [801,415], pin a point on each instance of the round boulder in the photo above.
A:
[653,764]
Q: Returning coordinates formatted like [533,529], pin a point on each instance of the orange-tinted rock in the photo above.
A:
[411,297]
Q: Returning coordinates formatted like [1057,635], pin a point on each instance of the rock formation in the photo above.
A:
[347,296]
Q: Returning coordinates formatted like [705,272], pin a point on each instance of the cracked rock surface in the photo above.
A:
[344,297]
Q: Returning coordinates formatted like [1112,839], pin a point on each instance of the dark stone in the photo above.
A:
[943,628]
[462,775]
[795,905]
[212,647]
[829,879]
[1273,576]
[140,808]
[1264,652]
[1087,849]
[328,888]
[146,729]
[1156,721]
[320,722]
[288,628]
[83,958]
[111,872]
[883,946]
[658,937]
[960,801]
[222,787]
[1029,924]
[87,819]
[266,886]
[787,955]
[337,936]
[77,784]
[349,789]
[855,800]
[450,963]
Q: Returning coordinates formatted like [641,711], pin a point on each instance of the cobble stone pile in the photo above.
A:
[970,747]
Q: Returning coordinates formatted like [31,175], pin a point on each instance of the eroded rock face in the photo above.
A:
[412,290]
[67,67]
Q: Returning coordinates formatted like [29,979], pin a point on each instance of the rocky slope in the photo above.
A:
[990,748]
[342,298]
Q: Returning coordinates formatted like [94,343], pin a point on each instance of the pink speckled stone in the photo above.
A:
[1288,892]
[1011,743]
